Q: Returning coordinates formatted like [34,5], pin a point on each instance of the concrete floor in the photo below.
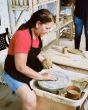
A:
[9,101]
[67,42]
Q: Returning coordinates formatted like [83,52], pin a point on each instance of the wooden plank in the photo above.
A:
[11,15]
[21,2]
[71,60]
[13,2]
[25,2]
[43,2]
[17,2]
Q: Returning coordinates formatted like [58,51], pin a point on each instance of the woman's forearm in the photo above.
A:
[30,72]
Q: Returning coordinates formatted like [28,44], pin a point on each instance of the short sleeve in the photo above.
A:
[22,42]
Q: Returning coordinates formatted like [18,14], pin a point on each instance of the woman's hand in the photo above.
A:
[47,63]
[47,76]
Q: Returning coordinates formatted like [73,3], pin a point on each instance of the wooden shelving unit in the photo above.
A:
[67,22]
[18,5]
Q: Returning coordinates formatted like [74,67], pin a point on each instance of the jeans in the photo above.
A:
[79,23]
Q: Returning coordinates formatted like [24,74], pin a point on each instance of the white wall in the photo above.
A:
[4,24]
[4,15]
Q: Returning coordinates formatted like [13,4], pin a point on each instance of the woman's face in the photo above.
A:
[43,29]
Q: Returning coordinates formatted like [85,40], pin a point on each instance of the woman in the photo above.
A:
[80,20]
[22,63]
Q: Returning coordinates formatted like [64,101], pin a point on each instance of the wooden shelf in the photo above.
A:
[65,24]
[68,21]
[20,8]
[44,2]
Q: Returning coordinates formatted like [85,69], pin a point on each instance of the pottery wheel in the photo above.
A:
[55,85]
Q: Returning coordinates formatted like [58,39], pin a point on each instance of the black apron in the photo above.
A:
[32,62]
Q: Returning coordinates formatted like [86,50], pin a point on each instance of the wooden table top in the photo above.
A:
[68,59]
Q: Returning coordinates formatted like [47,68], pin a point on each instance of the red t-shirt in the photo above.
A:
[21,42]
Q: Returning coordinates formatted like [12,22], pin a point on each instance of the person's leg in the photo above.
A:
[27,96]
[78,31]
[86,32]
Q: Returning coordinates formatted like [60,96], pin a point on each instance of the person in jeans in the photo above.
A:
[80,20]
[24,62]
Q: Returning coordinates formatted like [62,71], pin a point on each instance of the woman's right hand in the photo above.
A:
[49,77]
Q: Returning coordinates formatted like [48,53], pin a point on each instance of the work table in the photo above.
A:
[67,60]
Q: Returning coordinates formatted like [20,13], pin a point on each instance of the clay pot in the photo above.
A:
[73,92]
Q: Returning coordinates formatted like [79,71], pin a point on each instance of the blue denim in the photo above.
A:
[12,83]
[79,23]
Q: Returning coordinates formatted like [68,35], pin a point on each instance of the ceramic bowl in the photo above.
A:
[73,92]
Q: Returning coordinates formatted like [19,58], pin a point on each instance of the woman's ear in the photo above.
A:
[38,23]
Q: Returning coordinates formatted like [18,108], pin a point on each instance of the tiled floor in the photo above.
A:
[9,101]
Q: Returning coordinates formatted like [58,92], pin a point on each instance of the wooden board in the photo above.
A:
[68,59]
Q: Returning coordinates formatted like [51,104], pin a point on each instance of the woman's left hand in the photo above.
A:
[47,63]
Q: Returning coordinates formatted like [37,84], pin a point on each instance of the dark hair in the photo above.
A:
[42,15]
